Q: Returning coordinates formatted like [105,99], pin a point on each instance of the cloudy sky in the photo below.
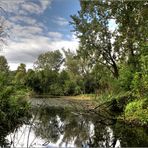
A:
[37,26]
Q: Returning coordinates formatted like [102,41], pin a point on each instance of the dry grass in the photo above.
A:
[79,97]
[66,101]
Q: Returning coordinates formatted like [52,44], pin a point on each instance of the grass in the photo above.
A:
[80,97]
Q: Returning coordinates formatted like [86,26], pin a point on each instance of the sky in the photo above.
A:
[37,26]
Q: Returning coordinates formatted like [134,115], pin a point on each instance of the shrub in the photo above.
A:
[56,89]
[137,110]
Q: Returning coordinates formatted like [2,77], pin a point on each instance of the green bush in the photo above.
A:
[69,88]
[137,111]
[56,90]
[140,84]
[14,109]
[125,78]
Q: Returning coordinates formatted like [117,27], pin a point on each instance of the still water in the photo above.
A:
[52,126]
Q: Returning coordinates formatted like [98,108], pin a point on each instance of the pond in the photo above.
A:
[60,126]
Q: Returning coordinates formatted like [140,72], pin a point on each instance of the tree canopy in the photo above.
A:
[51,60]
[103,45]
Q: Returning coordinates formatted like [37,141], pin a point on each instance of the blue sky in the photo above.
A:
[37,26]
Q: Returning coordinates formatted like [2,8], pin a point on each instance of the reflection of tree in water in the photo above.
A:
[84,130]
[102,137]
[47,126]
[76,129]
[72,128]
[130,136]
[54,122]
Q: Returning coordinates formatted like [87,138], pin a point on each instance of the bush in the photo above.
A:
[140,84]
[69,88]
[14,109]
[56,90]
[137,111]
[125,78]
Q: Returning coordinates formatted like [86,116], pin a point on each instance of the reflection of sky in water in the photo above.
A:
[20,139]
[25,136]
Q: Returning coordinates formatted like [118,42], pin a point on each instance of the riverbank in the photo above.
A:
[129,108]
[125,107]
[81,102]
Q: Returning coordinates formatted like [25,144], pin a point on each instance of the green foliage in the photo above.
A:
[125,79]
[137,110]
[51,60]
[3,65]
[140,84]
[111,63]
[91,25]
[20,75]
[140,81]
[69,88]
[56,89]
[14,109]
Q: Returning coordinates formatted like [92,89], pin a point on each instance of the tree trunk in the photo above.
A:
[116,71]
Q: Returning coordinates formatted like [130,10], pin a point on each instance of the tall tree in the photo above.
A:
[99,43]
[4,72]
[71,62]
[20,74]
[50,60]
[132,20]
[21,68]
[92,28]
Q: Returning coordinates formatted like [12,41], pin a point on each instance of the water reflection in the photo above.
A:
[73,127]
[56,127]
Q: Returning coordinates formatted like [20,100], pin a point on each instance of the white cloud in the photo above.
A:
[60,21]
[23,6]
[55,35]
[17,31]
[28,37]
[26,31]
[45,3]
[11,5]
[31,7]
[25,19]
[28,49]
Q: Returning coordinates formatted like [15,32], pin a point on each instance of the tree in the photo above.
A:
[20,74]
[132,20]
[3,64]
[21,68]
[51,60]
[3,28]
[107,47]
[33,81]
[79,70]
[92,28]
[71,62]
[4,72]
